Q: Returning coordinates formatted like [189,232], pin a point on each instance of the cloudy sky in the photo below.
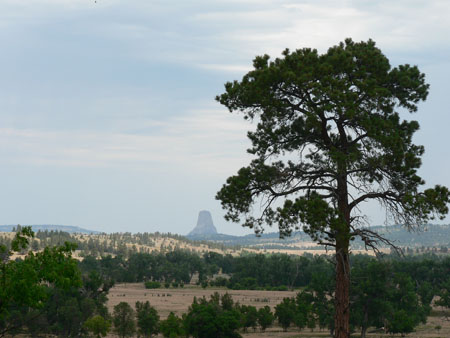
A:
[107,111]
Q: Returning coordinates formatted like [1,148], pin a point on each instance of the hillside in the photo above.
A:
[431,236]
[435,237]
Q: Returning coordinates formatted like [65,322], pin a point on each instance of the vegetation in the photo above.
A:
[395,292]
[26,285]
[98,326]
[152,285]
[265,317]
[123,319]
[147,319]
[216,317]
[172,327]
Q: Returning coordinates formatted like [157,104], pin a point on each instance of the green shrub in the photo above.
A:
[152,285]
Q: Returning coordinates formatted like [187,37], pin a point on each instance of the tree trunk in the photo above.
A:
[342,308]
[365,321]
[363,332]
[342,291]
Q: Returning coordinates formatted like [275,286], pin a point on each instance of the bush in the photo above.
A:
[98,326]
[212,319]
[220,281]
[152,285]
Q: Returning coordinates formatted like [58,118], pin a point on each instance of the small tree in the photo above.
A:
[265,317]
[172,327]
[249,317]
[98,326]
[405,311]
[285,312]
[329,138]
[370,290]
[304,309]
[147,319]
[123,319]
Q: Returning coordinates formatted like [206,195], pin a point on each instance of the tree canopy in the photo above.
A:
[328,138]
[24,283]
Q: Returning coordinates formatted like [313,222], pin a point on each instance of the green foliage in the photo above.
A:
[123,319]
[172,327]
[98,326]
[265,317]
[27,284]
[147,319]
[152,285]
[249,317]
[405,311]
[285,312]
[369,294]
[444,294]
[382,294]
[212,318]
[401,322]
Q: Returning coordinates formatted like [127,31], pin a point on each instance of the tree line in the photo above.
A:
[249,271]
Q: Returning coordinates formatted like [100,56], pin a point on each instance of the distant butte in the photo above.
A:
[205,225]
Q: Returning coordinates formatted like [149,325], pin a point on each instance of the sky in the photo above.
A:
[107,112]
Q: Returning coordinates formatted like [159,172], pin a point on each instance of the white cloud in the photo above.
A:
[226,67]
[208,142]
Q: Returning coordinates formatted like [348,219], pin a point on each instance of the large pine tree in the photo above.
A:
[329,138]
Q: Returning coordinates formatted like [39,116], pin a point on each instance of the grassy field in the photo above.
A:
[178,301]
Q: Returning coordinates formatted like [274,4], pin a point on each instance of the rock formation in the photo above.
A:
[204,225]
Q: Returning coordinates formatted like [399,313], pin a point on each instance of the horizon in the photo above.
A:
[97,232]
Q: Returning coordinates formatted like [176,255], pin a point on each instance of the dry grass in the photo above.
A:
[178,300]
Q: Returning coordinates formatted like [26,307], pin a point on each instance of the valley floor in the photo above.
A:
[178,301]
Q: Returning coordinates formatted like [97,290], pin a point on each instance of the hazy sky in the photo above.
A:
[107,111]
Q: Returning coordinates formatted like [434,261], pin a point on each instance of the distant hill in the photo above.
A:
[50,227]
[431,236]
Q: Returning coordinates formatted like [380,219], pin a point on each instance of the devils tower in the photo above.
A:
[204,225]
